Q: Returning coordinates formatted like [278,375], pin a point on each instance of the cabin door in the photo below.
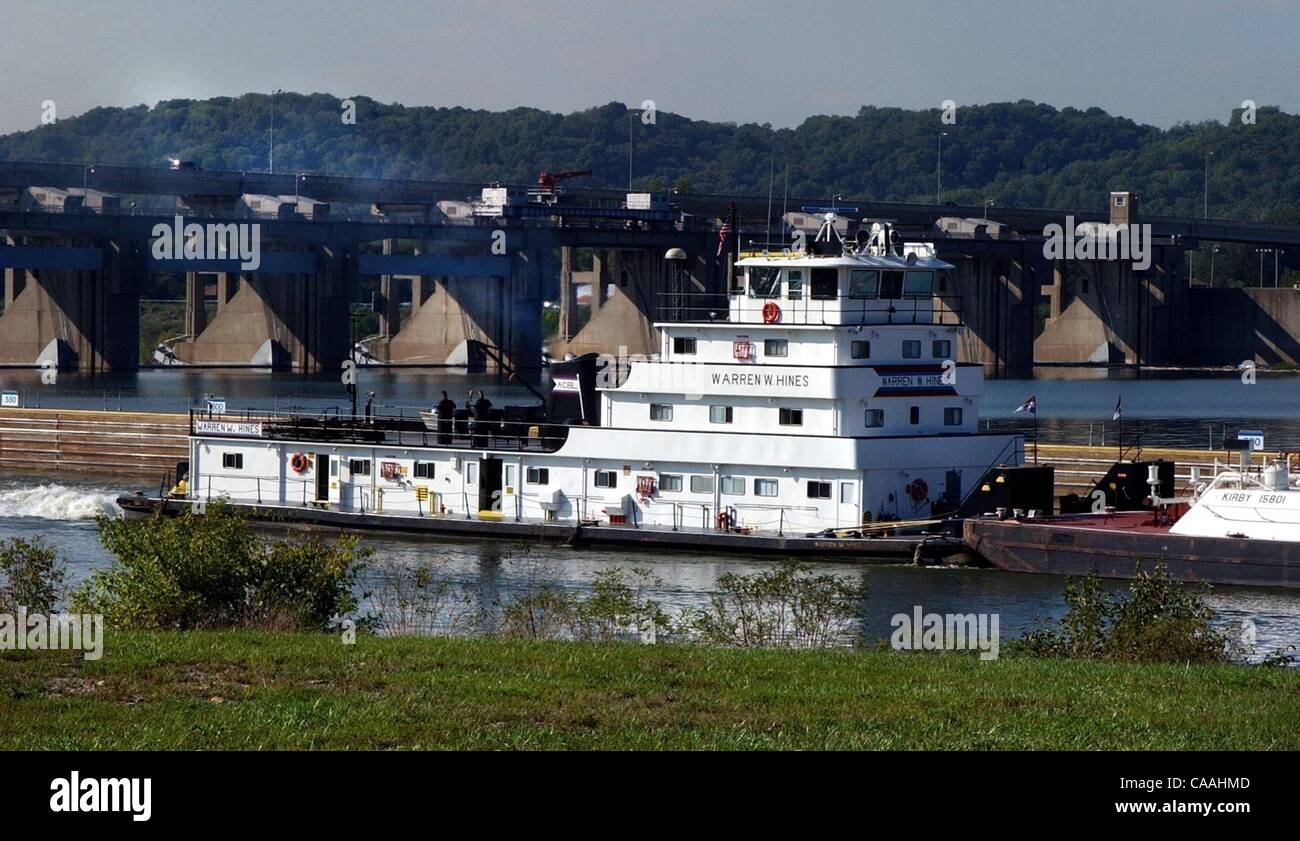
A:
[489,484]
[322,477]
[846,514]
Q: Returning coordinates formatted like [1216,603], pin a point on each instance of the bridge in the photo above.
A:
[77,247]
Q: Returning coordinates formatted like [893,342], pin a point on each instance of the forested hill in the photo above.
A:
[1016,153]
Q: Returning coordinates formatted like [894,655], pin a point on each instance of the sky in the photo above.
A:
[1155,61]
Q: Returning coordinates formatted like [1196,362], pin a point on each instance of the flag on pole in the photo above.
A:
[1030,406]
[724,233]
[1118,408]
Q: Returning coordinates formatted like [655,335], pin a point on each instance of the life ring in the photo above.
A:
[724,521]
[918,490]
[299,463]
[771,312]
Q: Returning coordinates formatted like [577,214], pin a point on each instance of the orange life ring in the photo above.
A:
[771,312]
[918,490]
[299,462]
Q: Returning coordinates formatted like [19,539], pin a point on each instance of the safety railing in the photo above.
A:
[838,311]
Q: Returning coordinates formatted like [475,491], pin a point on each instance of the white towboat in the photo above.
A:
[822,393]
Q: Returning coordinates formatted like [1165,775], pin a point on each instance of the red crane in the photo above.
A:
[546,180]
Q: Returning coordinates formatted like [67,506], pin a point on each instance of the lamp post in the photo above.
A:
[987,202]
[1261,252]
[1205,209]
[1213,251]
[938,171]
[272,161]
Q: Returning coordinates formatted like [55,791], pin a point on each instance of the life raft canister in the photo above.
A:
[918,490]
[298,462]
[771,312]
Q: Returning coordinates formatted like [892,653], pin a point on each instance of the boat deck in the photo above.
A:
[923,548]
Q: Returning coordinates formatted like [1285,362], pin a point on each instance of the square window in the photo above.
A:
[952,416]
[684,344]
[424,469]
[764,282]
[764,487]
[918,284]
[701,484]
[942,349]
[891,284]
[733,485]
[661,411]
[232,461]
[860,349]
[847,494]
[825,284]
[791,417]
[670,483]
[606,479]
[776,347]
[912,349]
[874,418]
[819,490]
[719,414]
[359,466]
[538,476]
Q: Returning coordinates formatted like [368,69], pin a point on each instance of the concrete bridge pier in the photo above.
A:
[294,316]
[996,294]
[73,302]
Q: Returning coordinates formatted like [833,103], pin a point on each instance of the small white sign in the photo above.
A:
[565,384]
[9,399]
[216,405]
[213,427]
[1254,436]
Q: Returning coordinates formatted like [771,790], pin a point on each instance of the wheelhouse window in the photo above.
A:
[942,349]
[701,484]
[538,476]
[606,479]
[874,418]
[232,461]
[794,284]
[764,487]
[891,284]
[719,414]
[359,466]
[661,411]
[791,417]
[864,283]
[918,284]
[819,490]
[764,282]
[733,485]
[860,349]
[914,415]
[424,469]
[952,416]
[825,284]
[684,345]
[776,347]
[912,349]
[670,482]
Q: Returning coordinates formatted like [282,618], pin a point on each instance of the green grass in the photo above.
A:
[249,690]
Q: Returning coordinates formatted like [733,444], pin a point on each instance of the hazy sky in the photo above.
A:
[1156,61]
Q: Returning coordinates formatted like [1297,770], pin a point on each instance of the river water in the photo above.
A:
[1166,411]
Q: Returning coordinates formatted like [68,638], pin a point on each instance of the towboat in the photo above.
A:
[816,404]
[1240,527]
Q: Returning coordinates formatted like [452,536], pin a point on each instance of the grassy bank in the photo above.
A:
[250,690]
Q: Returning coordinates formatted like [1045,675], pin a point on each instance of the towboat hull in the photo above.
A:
[1117,547]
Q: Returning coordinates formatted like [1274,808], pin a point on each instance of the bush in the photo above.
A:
[31,576]
[788,607]
[616,609]
[1158,621]
[414,599]
[210,571]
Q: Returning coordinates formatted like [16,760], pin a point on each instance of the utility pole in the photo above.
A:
[938,171]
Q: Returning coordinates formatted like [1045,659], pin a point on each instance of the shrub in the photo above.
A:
[414,599]
[31,576]
[616,609]
[788,607]
[209,570]
[1158,620]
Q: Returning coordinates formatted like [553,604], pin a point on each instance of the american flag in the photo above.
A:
[1030,406]
[723,234]
[1119,409]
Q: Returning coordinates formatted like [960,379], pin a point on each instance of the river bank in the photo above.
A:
[251,690]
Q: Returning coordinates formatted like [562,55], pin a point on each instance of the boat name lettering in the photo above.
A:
[212,427]
[759,378]
[912,380]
